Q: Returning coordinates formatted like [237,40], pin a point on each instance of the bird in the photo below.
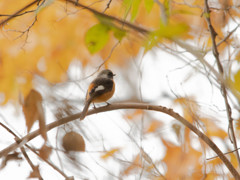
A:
[100,90]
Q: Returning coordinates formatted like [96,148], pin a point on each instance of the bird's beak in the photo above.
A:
[114,74]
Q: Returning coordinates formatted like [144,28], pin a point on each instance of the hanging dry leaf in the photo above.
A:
[35,173]
[45,152]
[41,120]
[73,141]
[33,111]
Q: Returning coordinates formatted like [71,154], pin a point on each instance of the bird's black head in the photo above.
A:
[106,74]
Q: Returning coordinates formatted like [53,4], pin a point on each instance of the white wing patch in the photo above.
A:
[99,88]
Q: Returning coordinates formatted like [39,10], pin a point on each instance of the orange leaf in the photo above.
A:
[189,106]
[135,164]
[135,113]
[154,126]
[213,129]
[110,153]
[180,163]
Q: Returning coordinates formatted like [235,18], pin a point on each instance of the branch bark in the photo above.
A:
[116,106]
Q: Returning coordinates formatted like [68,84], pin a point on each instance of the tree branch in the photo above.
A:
[76,3]
[18,12]
[223,88]
[143,106]
[113,18]
[34,151]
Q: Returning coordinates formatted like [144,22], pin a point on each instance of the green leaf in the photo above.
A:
[148,5]
[168,31]
[97,37]
[127,5]
[171,30]
[135,8]
[104,20]
[118,33]
[166,4]
[152,41]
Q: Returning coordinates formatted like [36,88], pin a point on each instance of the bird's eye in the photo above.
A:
[110,74]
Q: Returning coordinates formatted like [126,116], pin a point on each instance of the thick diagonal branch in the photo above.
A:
[143,106]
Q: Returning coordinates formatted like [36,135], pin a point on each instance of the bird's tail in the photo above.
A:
[85,109]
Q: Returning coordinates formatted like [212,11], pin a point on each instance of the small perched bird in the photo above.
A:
[100,90]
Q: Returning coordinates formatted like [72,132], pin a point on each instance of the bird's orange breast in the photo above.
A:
[103,97]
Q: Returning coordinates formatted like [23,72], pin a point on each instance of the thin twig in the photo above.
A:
[226,37]
[18,12]
[223,153]
[29,147]
[48,162]
[22,148]
[143,106]
[223,88]
[107,6]
[16,15]
[27,158]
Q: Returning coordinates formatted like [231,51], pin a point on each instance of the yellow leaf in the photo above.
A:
[238,56]
[180,163]
[236,82]
[110,153]
[233,160]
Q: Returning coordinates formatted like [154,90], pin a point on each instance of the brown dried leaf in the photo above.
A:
[41,121]
[14,156]
[35,173]
[177,129]
[30,108]
[45,152]
[73,141]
